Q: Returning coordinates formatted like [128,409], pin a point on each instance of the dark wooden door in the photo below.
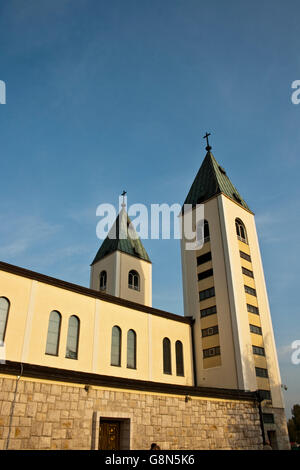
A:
[109,435]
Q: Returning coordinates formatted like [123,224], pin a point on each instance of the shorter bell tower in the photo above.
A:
[122,267]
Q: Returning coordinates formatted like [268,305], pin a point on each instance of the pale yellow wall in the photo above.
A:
[231,211]
[144,268]
[108,264]
[19,289]
[27,327]
[117,265]
[218,371]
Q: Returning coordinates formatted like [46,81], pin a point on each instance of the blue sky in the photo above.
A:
[105,96]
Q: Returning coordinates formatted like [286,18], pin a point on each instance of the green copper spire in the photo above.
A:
[126,240]
[211,180]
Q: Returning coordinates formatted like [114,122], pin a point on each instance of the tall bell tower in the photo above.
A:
[224,291]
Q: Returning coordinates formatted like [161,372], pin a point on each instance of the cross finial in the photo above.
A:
[124,194]
[208,147]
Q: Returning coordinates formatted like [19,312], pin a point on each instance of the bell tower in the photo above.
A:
[122,267]
[224,291]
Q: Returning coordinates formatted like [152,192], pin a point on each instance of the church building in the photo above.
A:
[100,368]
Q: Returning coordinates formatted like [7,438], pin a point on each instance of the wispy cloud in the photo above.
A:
[284,353]
[20,234]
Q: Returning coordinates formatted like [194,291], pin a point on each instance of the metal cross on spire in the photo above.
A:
[208,147]
[124,194]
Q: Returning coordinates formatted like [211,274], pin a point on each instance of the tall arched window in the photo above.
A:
[116,338]
[167,356]
[131,349]
[133,280]
[4,308]
[179,358]
[53,333]
[241,230]
[103,279]
[206,231]
[73,337]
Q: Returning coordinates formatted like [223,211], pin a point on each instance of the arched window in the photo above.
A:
[73,337]
[116,338]
[53,333]
[179,358]
[203,231]
[103,279]
[131,349]
[4,308]
[134,280]
[241,230]
[167,356]
[206,231]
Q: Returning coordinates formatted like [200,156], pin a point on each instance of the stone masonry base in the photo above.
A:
[50,415]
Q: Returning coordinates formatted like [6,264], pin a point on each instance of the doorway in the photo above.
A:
[109,435]
[273,439]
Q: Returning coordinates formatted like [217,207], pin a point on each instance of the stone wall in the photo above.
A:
[50,415]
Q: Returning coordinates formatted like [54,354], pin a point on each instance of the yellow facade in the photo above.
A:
[32,301]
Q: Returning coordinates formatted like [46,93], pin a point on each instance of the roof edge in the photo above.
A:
[70,376]
[91,293]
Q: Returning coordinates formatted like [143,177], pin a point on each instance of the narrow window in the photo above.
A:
[205,274]
[103,279]
[256,329]
[208,311]
[211,352]
[53,333]
[250,290]
[204,258]
[260,372]
[245,256]
[252,309]
[131,349]
[241,230]
[207,293]
[167,356]
[73,337]
[247,272]
[268,418]
[179,358]
[4,308]
[258,350]
[133,280]
[206,231]
[212,330]
[203,231]
[116,337]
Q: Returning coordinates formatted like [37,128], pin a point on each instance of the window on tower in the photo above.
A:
[207,293]
[241,230]
[203,231]
[103,280]
[250,290]
[134,280]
